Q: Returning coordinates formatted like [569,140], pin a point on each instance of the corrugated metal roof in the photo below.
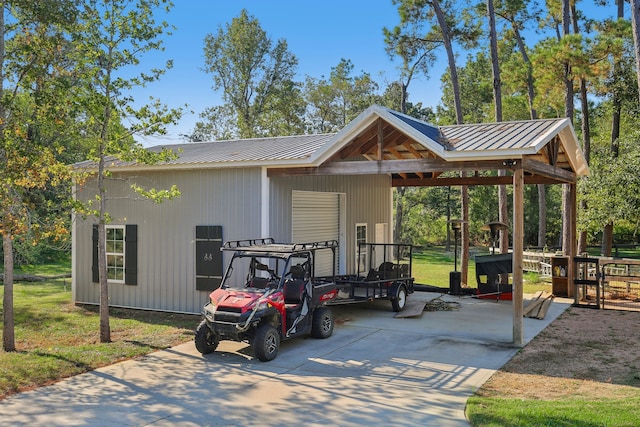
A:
[498,136]
[253,150]
[457,142]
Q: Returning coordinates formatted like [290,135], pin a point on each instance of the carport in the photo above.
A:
[416,153]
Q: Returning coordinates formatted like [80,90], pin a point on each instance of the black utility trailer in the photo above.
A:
[383,272]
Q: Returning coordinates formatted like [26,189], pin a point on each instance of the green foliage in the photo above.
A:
[256,80]
[477,86]
[35,113]
[334,102]
[111,39]
[612,191]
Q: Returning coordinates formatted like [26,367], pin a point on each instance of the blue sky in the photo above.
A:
[319,33]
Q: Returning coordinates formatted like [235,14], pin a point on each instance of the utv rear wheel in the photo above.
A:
[399,302]
[266,343]
[322,326]
[206,341]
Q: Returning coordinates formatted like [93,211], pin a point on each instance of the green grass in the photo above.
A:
[499,412]
[54,269]
[431,266]
[57,339]
[624,252]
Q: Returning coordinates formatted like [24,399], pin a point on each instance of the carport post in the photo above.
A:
[518,247]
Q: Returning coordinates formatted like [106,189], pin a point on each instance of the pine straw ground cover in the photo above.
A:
[582,370]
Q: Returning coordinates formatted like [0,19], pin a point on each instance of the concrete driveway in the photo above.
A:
[374,370]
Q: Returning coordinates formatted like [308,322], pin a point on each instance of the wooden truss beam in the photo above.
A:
[542,173]
[469,180]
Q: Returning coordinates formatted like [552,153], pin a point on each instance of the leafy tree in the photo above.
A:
[32,77]
[443,25]
[392,98]
[334,102]
[112,36]
[635,21]
[612,191]
[416,53]
[475,82]
[256,80]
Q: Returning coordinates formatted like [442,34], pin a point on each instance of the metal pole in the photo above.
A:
[455,250]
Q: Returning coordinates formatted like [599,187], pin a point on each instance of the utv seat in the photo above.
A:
[292,292]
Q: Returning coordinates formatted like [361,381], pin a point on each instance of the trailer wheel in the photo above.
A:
[205,340]
[400,301]
[266,343]
[322,325]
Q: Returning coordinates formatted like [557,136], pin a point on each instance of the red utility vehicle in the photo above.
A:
[269,293]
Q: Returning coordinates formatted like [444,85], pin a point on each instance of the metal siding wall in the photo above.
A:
[367,201]
[166,233]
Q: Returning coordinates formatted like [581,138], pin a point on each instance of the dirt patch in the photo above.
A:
[584,352]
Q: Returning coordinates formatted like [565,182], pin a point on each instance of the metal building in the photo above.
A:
[304,188]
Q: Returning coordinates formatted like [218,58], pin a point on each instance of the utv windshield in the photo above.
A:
[260,271]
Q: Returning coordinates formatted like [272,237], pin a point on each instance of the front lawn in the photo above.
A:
[431,266]
[57,339]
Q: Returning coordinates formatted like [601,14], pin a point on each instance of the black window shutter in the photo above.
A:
[131,255]
[94,266]
[208,257]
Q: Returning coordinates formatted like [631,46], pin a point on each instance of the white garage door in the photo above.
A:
[316,217]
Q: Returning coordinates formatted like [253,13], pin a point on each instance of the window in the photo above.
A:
[361,248]
[115,243]
[122,254]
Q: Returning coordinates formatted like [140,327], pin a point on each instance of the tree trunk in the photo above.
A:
[448,243]
[464,244]
[105,330]
[542,216]
[531,93]
[495,67]
[635,23]
[397,226]
[586,138]
[615,123]
[8,334]
[503,210]
[569,112]
[566,220]
[586,134]
[607,240]
[400,191]
[453,71]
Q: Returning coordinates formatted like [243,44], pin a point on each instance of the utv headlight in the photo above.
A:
[262,306]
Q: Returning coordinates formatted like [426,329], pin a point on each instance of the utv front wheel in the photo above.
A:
[322,326]
[266,343]
[206,341]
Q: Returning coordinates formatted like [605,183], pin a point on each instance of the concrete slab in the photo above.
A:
[375,369]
